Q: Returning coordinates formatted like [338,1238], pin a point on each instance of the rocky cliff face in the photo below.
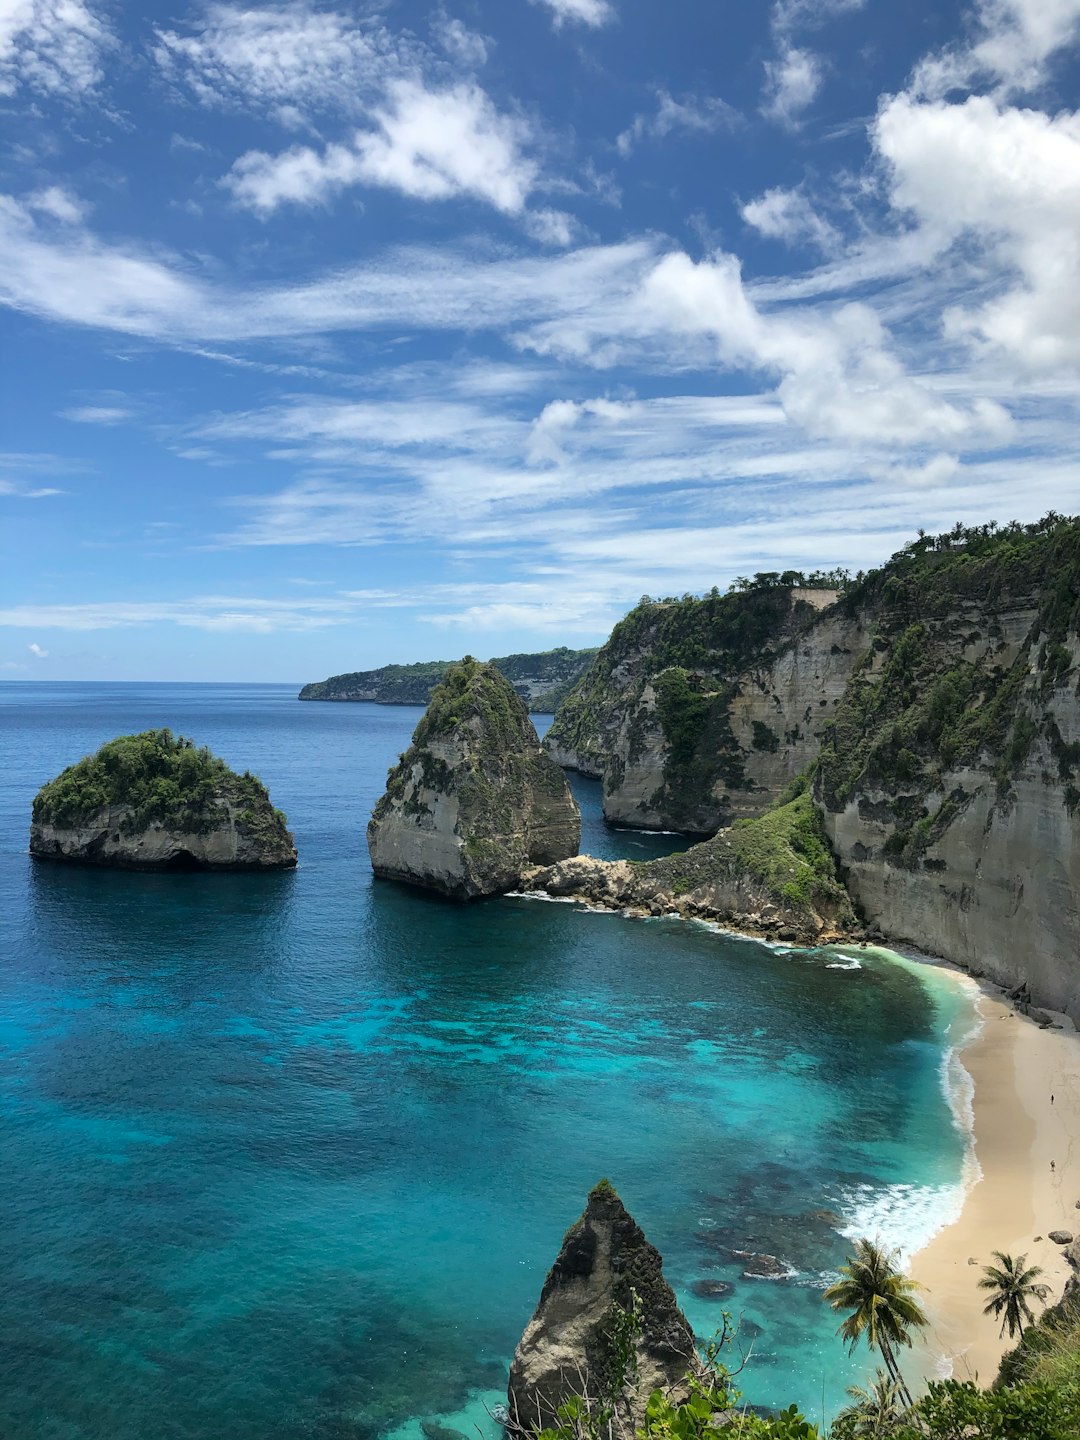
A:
[697,712]
[948,785]
[474,802]
[542,680]
[567,1348]
[156,802]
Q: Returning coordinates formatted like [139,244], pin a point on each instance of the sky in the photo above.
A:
[333,335]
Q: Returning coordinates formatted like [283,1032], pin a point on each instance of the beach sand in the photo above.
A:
[1019,1197]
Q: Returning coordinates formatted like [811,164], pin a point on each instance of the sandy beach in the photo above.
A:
[1028,1151]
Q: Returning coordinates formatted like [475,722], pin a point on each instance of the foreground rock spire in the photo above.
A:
[474,802]
[567,1347]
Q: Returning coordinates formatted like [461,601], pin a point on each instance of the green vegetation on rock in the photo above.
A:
[159,779]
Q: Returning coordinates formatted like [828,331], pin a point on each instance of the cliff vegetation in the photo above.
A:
[158,779]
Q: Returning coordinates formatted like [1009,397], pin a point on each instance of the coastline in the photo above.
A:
[1014,1198]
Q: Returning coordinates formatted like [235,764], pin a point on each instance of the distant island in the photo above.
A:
[157,801]
[542,680]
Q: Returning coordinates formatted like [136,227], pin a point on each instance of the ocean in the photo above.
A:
[290,1155]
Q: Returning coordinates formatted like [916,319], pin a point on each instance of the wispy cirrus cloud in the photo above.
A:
[701,115]
[591,13]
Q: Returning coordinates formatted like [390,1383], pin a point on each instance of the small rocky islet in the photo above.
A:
[157,801]
[475,802]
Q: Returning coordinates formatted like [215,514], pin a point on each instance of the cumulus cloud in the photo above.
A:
[592,13]
[431,145]
[1013,43]
[1008,180]
[52,46]
[36,650]
[792,82]
[703,116]
[58,202]
[788,215]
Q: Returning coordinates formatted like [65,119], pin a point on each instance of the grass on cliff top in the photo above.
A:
[785,849]
[161,778]
[1049,1352]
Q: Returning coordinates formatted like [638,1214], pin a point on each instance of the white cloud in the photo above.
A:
[465,46]
[96,414]
[52,46]
[792,82]
[703,116]
[1008,181]
[788,215]
[36,650]
[431,145]
[61,204]
[1015,39]
[211,612]
[593,13]
[21,491]
[289,55]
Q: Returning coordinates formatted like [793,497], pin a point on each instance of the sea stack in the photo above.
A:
[474,802]
[156,801]
[604,1261]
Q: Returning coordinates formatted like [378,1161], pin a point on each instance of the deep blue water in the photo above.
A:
[289,1155]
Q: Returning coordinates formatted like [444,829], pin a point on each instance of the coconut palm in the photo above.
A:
[882,1305]
[1012,1286]
[874,1413]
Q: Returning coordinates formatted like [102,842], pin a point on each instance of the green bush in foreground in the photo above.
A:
[158,778]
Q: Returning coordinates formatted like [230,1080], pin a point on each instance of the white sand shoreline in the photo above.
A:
[1014,1195]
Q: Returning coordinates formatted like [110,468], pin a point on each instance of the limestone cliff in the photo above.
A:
[948,783]
[156,802]
[542,680]
[773,876]
[698,711]
[569,1345]
[474,801]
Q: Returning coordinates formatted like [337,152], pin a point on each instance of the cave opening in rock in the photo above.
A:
[184,860]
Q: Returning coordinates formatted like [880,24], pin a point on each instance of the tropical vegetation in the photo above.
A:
[1012,1283]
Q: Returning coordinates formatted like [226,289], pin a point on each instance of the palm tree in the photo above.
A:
[1012,1286]
[882,1305]
[875,1413]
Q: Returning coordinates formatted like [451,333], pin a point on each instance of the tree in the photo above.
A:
[882,1305]
[1011,1287]
[875,1413]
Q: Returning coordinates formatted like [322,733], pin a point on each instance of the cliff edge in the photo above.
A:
[156,801]
[570,1345]
[474,802]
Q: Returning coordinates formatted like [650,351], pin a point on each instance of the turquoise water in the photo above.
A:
[288,1156]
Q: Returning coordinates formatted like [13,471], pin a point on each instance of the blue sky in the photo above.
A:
[340,334]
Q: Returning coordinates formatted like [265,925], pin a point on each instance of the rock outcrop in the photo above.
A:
[700,711]
[155,801]
[474,802]
[567,1348]
[773,876]
[542,680]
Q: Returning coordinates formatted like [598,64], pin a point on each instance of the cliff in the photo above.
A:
[542,680]
[948,782]
[154,801]
[474,802]
[698,711]
[937,701]
[773,876]
[571,1344]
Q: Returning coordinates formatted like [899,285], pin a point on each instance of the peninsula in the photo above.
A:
[542,680]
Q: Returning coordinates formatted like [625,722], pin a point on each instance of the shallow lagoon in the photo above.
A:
[289,1155]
